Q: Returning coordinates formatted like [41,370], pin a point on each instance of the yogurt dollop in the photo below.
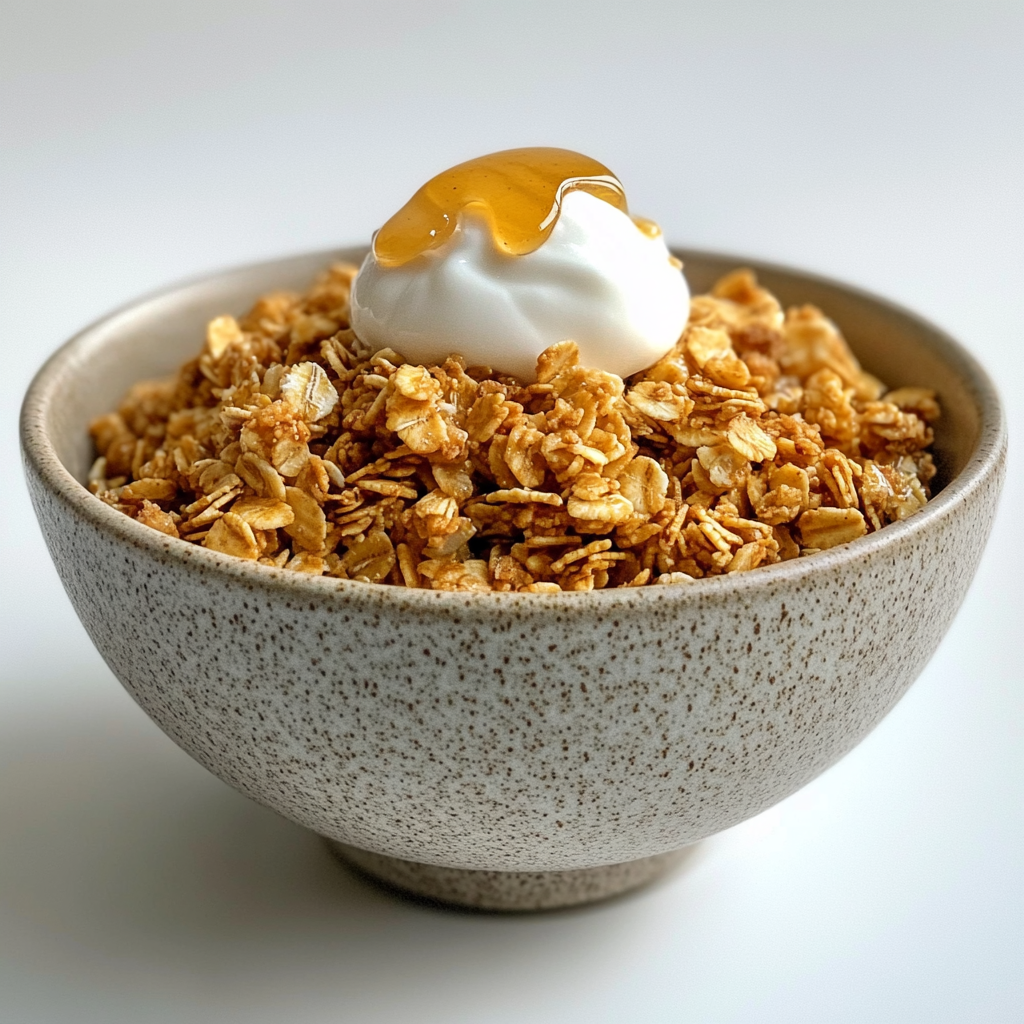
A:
[599,278]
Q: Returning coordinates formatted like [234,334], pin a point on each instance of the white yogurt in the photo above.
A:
[597,279]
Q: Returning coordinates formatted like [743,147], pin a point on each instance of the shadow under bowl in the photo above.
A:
[511,751]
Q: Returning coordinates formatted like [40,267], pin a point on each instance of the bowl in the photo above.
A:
[511,751]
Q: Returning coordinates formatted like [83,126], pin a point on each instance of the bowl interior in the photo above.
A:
[153,337]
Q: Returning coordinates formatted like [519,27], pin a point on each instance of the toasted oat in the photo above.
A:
[149,490]
[826,527]
[232,535]
[307,390]
[288,442]
[370,559]
[152,515]
[749,439]
[220,334]
[523,494]
[308,528]
[264,513]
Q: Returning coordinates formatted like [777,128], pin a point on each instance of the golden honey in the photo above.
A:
[519,191]
[648,227]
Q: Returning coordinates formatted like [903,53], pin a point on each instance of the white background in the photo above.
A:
[882,143]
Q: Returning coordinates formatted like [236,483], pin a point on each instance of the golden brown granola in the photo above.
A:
[757,439]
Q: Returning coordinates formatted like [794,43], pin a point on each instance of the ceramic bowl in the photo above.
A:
[513,751]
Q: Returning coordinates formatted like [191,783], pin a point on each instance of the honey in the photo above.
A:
[519,191]
[648,227]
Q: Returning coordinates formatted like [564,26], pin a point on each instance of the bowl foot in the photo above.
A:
[508,890]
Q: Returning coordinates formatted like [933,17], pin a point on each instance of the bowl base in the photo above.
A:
[508,890]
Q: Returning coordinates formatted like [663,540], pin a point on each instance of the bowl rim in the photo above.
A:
[39,452]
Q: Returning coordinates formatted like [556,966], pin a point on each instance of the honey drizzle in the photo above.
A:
[519,191]
[648,227]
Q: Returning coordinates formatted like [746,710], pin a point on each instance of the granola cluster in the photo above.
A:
[757,439]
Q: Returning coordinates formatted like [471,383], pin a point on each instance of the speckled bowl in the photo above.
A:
[511,751]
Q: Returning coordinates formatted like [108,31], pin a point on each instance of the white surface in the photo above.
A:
[878,142]
[596,279]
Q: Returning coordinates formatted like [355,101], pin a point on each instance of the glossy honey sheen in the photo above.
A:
[518,190]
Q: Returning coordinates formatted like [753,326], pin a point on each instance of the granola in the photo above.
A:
[287,442]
